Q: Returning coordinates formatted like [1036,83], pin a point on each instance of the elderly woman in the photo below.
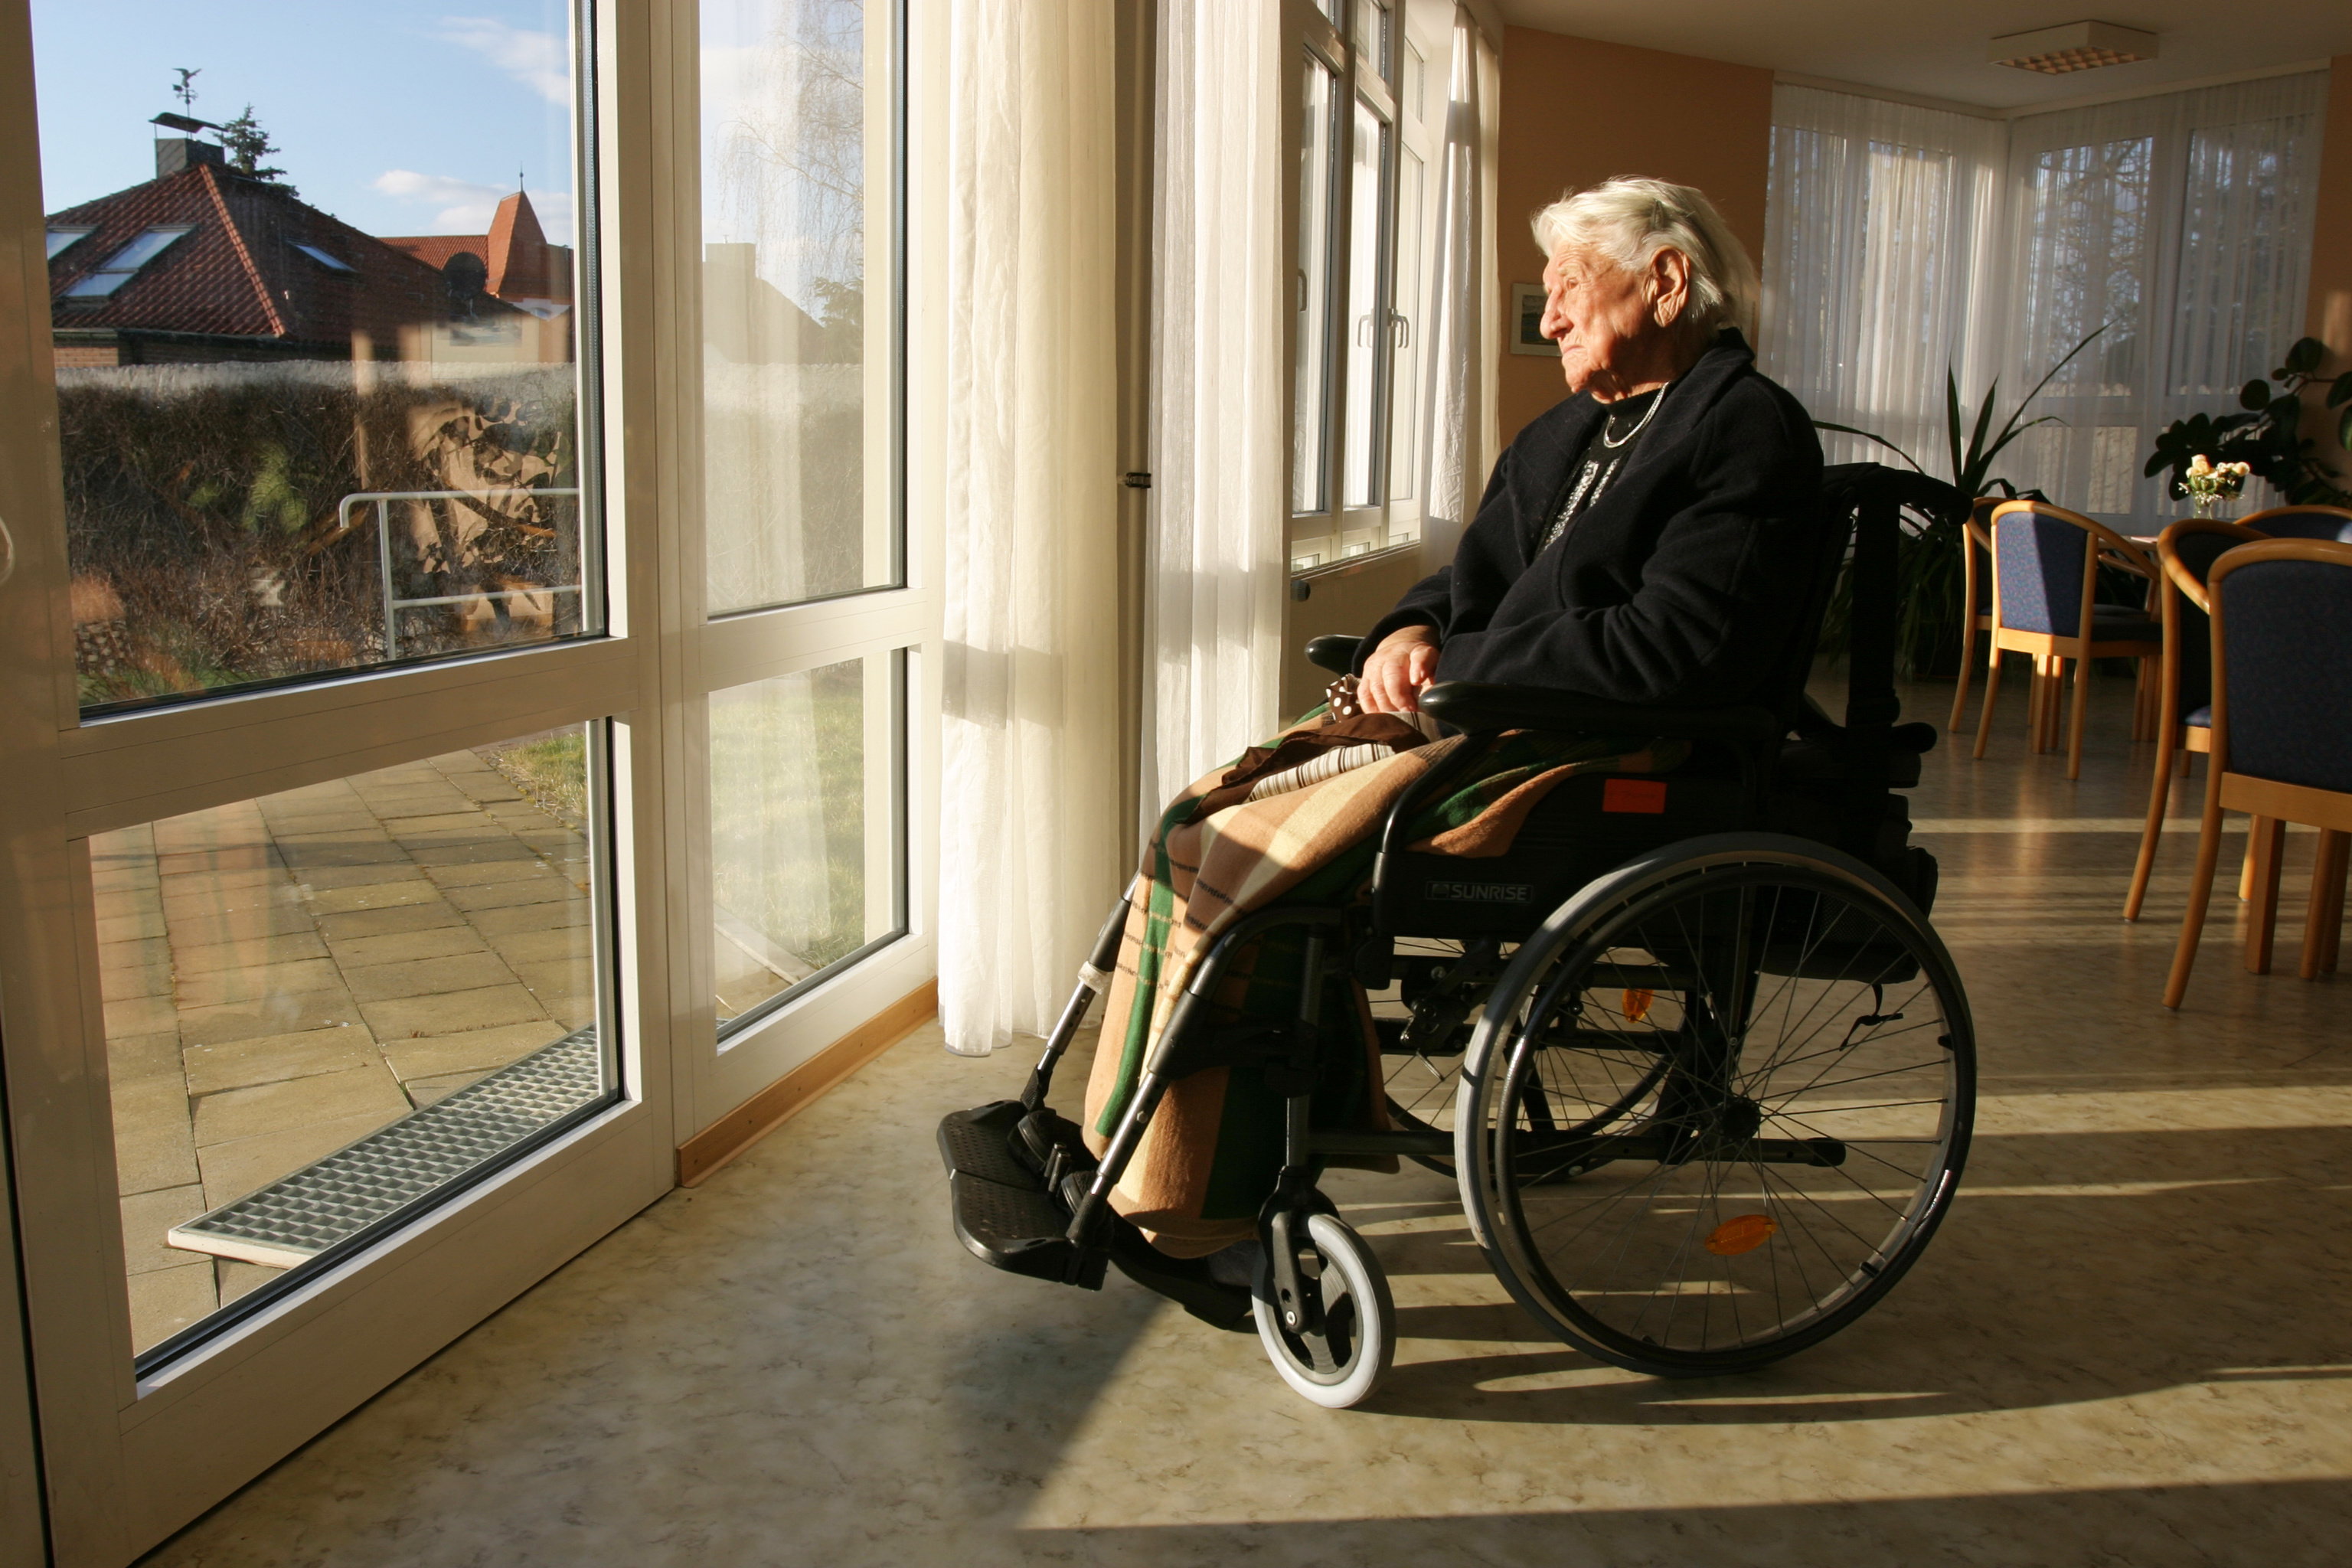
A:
[1649,539]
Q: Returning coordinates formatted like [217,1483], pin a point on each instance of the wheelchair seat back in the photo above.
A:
[1833,783]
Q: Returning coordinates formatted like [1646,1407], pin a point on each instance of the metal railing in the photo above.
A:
[382,500]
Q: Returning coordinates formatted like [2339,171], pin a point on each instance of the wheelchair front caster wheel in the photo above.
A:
[1342,1360]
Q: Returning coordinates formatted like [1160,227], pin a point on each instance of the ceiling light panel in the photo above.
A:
[2077,46]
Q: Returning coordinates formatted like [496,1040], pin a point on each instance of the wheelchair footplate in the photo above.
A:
[1004,1211]
[1014,1178]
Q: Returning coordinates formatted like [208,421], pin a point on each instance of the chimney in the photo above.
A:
[174,153]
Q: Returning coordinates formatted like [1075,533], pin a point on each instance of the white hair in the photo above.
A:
[1626,222]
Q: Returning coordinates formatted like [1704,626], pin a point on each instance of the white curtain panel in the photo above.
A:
[1215,568]
[2183,221]
[1454,417]
[1880,229]
[1033,835]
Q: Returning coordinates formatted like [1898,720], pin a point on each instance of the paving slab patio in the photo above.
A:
[284,976]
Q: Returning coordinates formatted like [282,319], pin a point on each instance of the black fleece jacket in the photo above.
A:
[1680,586]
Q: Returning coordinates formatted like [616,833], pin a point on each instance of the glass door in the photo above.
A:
[331,770]
[809,623]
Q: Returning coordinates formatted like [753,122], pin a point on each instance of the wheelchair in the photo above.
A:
[1701,1069]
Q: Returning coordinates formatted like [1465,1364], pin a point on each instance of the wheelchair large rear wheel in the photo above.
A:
[1717,1105]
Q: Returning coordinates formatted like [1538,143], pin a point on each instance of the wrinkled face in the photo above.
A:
[1603,319]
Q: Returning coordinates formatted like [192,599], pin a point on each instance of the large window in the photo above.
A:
[1904,242]
[804,655]
[476,764]
[1364,83]
[325,379]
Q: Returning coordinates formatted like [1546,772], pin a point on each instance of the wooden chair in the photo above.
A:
[1976,592]
[2187,551]
[2043,585]
[2282,738]
[2310,521]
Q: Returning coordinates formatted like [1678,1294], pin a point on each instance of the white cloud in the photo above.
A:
[467,207]
[538,60]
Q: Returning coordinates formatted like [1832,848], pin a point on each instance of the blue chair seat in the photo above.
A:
[2121,623]
[2200,720]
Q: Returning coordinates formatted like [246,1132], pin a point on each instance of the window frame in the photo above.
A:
[1339,531]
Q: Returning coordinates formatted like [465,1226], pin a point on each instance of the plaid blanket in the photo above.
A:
[1251,836]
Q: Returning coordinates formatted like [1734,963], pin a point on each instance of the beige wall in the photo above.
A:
[2330,316]
[1575,112]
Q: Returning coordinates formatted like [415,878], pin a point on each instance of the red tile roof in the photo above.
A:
[520,263]
[239,272]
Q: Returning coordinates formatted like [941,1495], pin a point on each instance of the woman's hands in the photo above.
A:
[1406,661]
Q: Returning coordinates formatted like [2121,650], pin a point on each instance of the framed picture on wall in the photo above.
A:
[1527,322]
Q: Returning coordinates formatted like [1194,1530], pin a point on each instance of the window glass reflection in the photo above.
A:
[319,403]
[797,379]
[805,789]
[329,1005]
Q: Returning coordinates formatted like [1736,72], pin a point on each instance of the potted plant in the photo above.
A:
[2265,435]
[1929,567]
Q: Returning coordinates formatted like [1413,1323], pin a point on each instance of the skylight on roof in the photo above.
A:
[60,238]
[125,262]
[332,263]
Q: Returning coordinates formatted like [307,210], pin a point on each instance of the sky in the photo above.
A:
[396,118]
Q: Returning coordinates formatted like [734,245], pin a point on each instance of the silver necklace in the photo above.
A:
[1646,415]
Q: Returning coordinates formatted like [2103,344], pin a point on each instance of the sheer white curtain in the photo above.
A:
[1901,239]
[1032,836]
[2183,222]
[1214,573]
[1456,444]
[1881,223]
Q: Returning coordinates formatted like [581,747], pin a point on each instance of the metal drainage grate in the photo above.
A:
[297,1217]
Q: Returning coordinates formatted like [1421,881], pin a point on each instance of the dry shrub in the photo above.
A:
[201,510]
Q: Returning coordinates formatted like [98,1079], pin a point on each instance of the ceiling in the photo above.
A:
[1938,50]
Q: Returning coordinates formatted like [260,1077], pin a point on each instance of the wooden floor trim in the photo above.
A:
[803,1087]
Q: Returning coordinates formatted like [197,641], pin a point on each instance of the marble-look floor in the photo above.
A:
[2128,1345]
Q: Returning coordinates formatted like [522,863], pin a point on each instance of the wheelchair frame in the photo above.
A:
[1029,1198]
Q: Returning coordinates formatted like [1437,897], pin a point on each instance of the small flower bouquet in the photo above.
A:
[2210,483]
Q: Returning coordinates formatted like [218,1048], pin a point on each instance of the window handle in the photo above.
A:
[1400,330]
[1364,332]
[1302,290]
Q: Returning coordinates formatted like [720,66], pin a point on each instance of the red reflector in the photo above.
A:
[1647,796]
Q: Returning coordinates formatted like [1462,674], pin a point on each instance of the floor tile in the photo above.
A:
[474,1051]
[452,1012]
[220,987]
[503,895]
[400,947]
[371,922]
[154,1146]
[168,1299]
[372,896]
[273,1058]
[427,976]
[278,1013]
[502,922]
[146,1216]
[241,1113]
[281,947]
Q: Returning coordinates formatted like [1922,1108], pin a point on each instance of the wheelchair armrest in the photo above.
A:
[1475,708]
[1334,652]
